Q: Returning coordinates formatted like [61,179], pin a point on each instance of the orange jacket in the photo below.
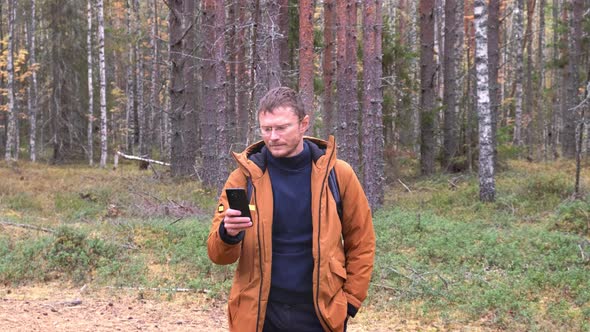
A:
[343,252]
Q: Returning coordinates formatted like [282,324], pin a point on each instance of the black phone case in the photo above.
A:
[238,200]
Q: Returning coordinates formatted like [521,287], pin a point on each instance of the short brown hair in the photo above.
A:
[282,97]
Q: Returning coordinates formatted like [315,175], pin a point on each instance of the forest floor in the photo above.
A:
[55,308]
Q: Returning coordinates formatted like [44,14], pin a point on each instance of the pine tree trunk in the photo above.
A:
[348,108]
[328,68]
[177,87]
[220,96]
[518,31]
[209,118]
[90,144]
[306,58]
[487,188]
[11,148]
[103,86]
[285,56]
[427,87]
[372,124]
[450,85]
[243,112]
[494,66]
[554,128]
[540,100]
[568,135]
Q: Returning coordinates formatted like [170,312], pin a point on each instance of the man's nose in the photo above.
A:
[273,134]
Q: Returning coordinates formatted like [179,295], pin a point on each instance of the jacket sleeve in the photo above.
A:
[222,248]
[358,235]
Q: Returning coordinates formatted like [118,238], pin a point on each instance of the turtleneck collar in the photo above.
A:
[300,161]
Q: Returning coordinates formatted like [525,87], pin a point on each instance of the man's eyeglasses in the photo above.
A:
[266,131]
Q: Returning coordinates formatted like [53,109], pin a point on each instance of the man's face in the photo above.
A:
[282,132]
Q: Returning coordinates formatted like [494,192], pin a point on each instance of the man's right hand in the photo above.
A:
[234,224]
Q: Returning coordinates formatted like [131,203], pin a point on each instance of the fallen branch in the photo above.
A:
[155,289]
[403,184]
[37,228]
[126,156]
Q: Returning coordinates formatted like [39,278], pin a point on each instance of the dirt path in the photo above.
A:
[56,308]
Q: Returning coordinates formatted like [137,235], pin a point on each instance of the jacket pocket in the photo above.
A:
[337,276]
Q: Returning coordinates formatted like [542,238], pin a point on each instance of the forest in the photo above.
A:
[447,110]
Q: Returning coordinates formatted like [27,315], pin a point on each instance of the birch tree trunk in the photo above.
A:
[372,124]
[141,111]
[103,86]
[518,32]
[33,85]
[427,87]
[155,86]
[11,148]
[130,87]
[89,147]
[486,150]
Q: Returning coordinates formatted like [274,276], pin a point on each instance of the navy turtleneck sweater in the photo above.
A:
[292,259]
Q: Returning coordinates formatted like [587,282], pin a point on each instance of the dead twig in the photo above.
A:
[156,289]
[403,184]
[37,228]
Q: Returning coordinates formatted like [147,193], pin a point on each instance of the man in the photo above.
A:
[300,267]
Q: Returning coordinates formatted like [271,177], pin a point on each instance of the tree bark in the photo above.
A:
[103,86]
[450,86]
[209,119]
[33,85]
[141,110]
[348,108]
[427,86]
[518,32]
[130,87]
[306,58]
[328,67]
[11,148]
[372,124]
[90,145]
[220,96]
[155,84]
[494,67]
[487,188]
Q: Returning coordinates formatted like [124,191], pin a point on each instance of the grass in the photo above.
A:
[520,263]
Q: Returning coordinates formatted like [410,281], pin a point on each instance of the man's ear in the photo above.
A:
[305,123]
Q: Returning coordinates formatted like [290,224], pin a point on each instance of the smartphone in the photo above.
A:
[238,201]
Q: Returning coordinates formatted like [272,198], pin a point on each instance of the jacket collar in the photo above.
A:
[253,159]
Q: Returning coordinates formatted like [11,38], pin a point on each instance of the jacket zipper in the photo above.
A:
[259,258]
[317,297]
